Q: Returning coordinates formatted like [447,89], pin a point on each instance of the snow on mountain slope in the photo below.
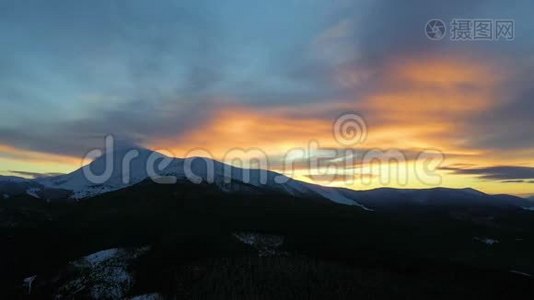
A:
[329,193]
[127,167]
[102,275]
[225,175]
[33,192]
[15,186]
[111,172]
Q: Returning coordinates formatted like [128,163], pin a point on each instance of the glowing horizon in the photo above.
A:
[274,78]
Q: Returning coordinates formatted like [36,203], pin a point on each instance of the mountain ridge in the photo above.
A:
[129,168]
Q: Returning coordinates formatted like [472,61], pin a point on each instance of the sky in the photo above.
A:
[216,76]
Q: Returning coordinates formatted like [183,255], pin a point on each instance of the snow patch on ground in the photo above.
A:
[101,256]
[28,282]
[153,296]
[94,190]
[33,192]
[520,273]
[531,208]
[487,241]
[104,274]
[333,195]
[266,244]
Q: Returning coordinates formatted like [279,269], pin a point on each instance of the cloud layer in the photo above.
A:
[274,75]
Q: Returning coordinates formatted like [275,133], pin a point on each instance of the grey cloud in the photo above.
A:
[137,125]
[33,174]
[518,181]
[499,173]
[159,61]
[169,65]
[508,126]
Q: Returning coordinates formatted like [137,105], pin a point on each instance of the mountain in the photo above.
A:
[388,198]
[81,187]
[13,187]
[12,179]
[227,178]
[232,179]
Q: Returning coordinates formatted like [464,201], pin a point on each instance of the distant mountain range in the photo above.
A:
[230,179]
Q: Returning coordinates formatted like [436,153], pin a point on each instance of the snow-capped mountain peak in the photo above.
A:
[110,171]
[127,166]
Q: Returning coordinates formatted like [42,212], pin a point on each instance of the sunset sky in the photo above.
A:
[270,75]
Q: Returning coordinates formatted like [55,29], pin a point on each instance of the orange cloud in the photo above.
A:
[240,127]
[423,104]
[427,102]
[445,72]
